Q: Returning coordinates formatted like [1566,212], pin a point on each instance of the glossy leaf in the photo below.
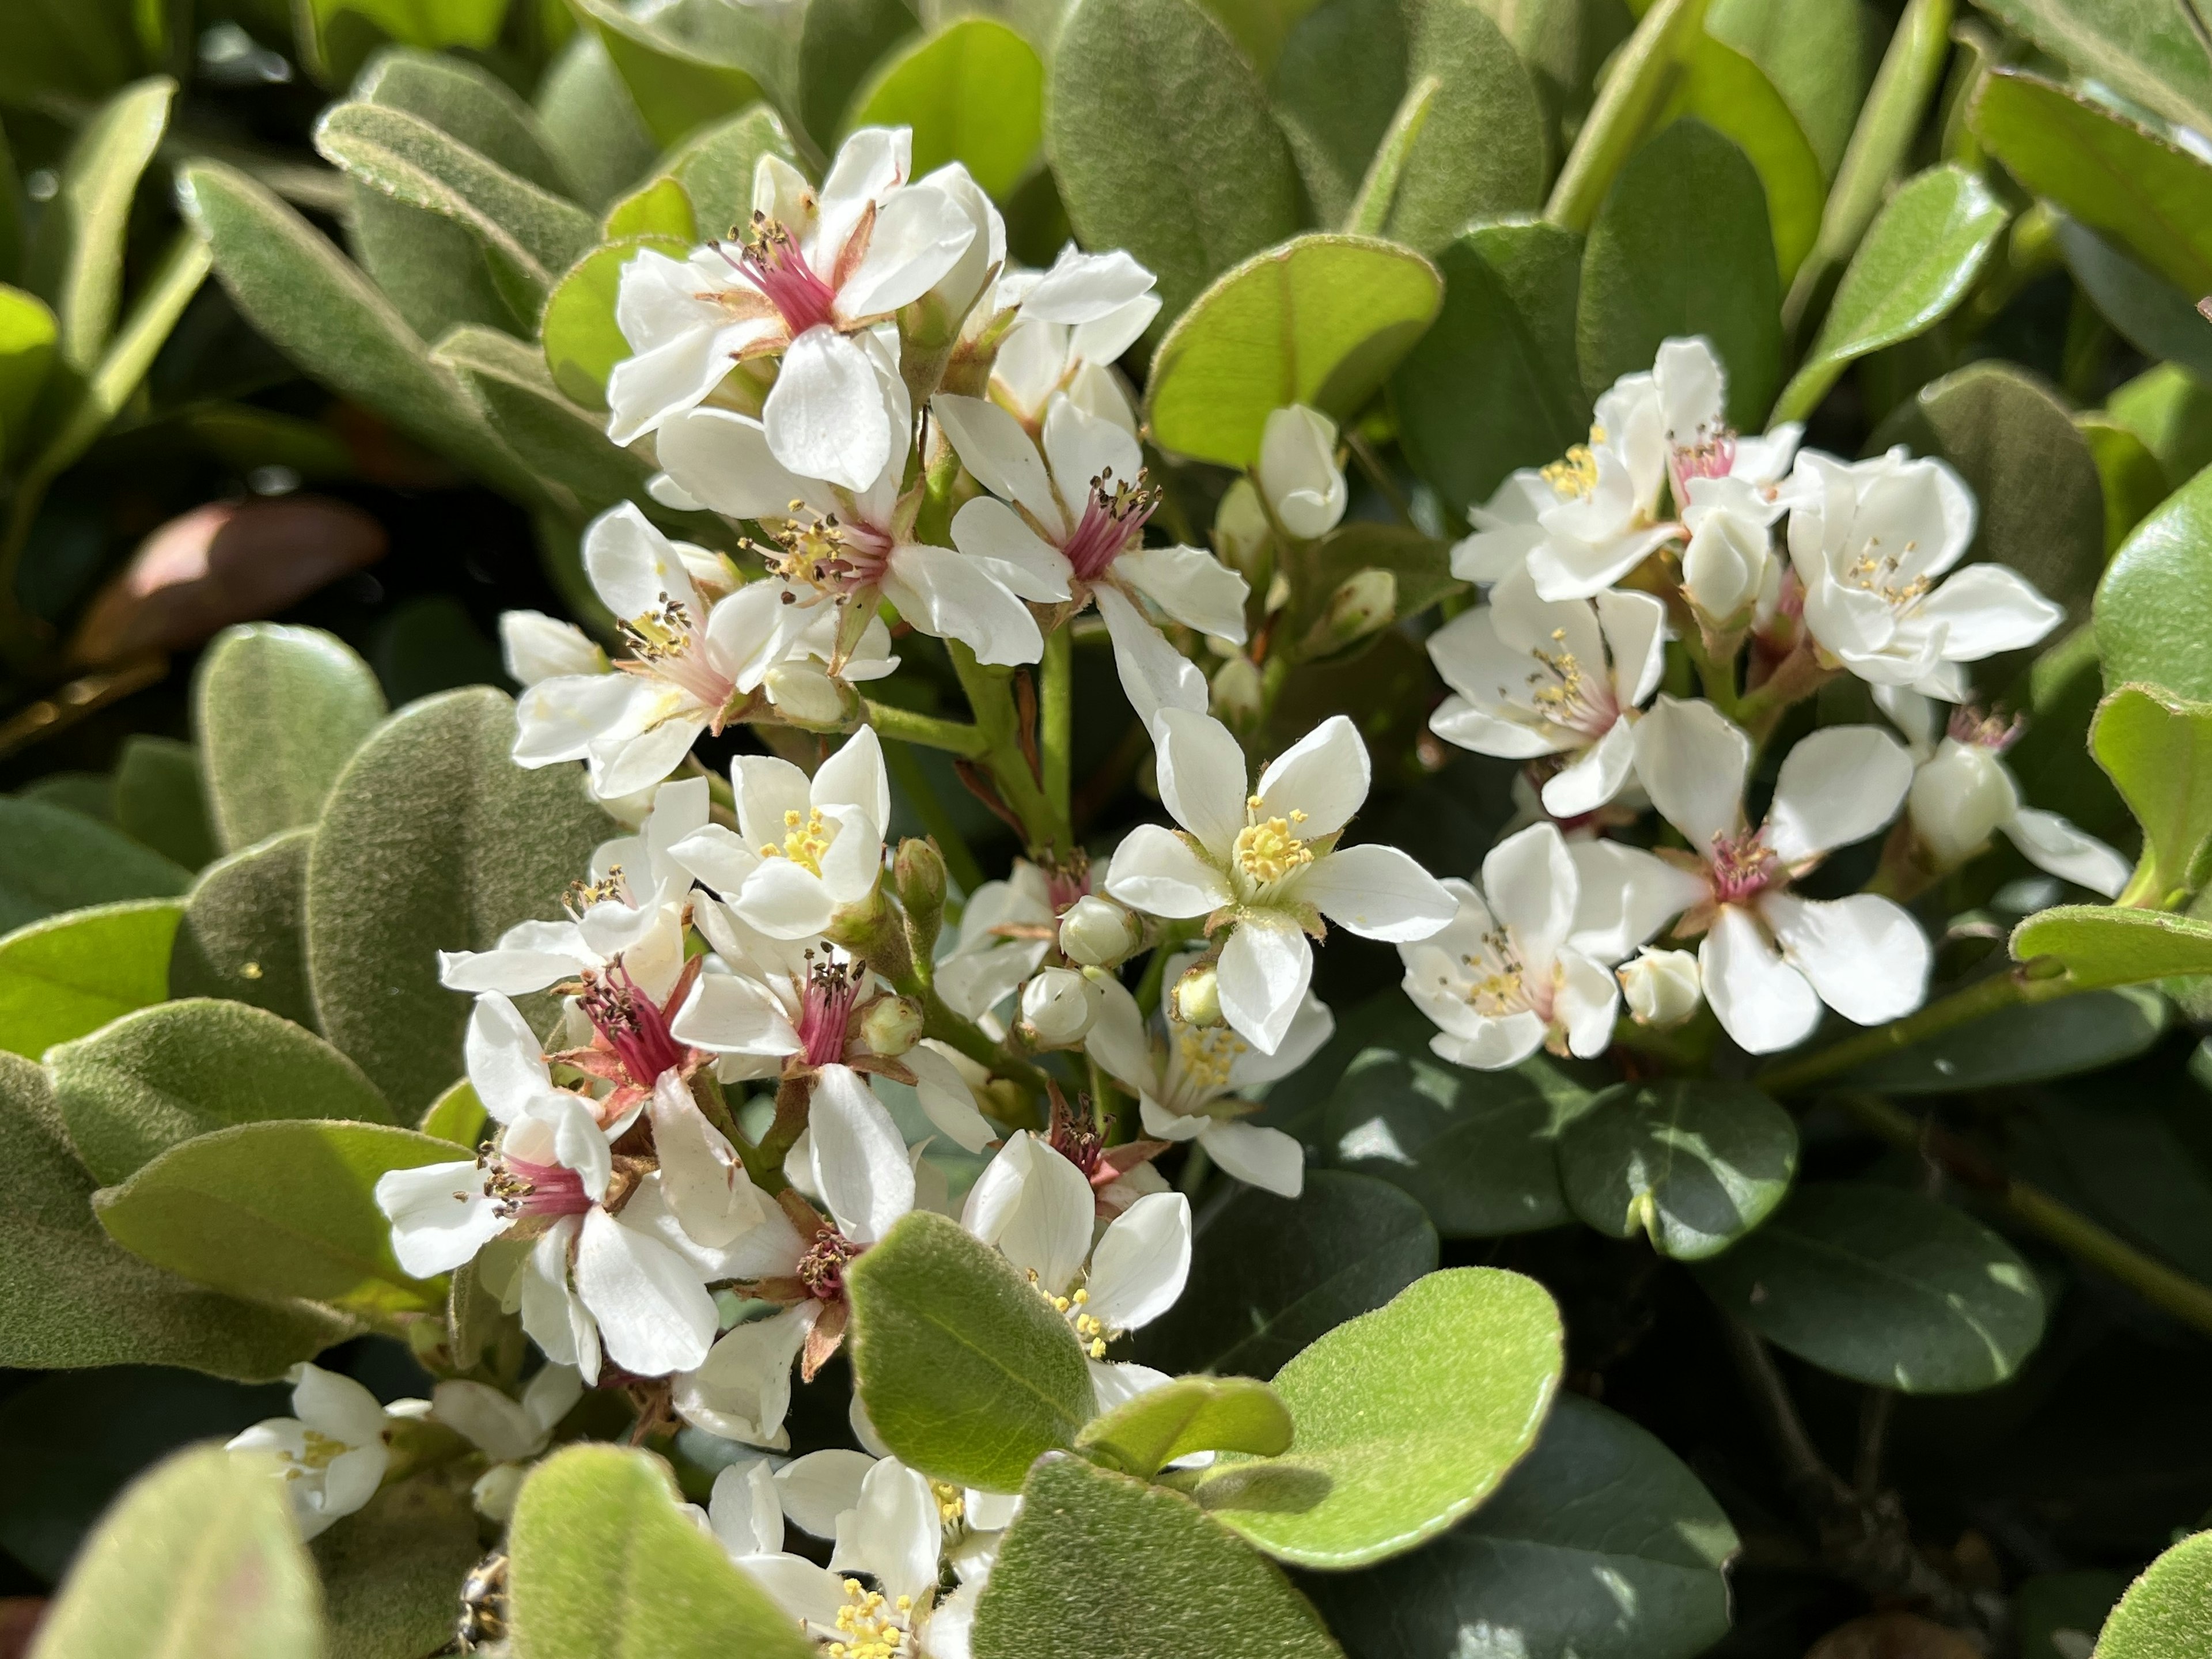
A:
[432,840]
[72,974]
[1269,1275]
[2147,49]
[1600,1545]
[606,1565]
[1918,259]
[1818,55]
[1681,246]
[278,710]
[392,1573]
[966,1372]
[2099,944]
[659,208]
[1493,384]
[151,1079]
[2022,1045]
[200,1556]
[1321,321]
[1189,1414]
[457,1115]
[2153,606]
[684,64]
[511,385]
[1884,1287]
[1692,1164]
[76,259]
[1180,1582]
[159,799]
[583,342]
[243,933]
[53,858]
[972,92]
[2168,1610]
[1161,140]
[1408,1418]
[2133,480]
[2157,749]
[1722,87]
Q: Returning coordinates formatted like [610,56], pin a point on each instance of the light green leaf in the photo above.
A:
[2107,172]
[2022,1045]
[2157,749]
[1180,1585]
[52,858]
[1629,90]
[606,1565]
[688,65]
[512,387]
[1884,1287]
[392,1572]
[71,1297]
[1408,1418]
[243,935]
[468,102]
[432,840]
[973,93]
[199,1556]
[27,333]
[1143,1435]
[659,208]
[2153,606]
[1161,140]
[583,342]
[2133,482]
[2099,944]
[591,123]
[457,1115]
[277,1209]
[72,974]
[965,1371]
[1477,1149]
[1681,246]
[1269,1275]
[2167,1612]
[716,167]
[75,260]
[2147,49]
[1919,258]
[159,799]
[1722,87]
[1348,68]
[1820,54]
[336,35]
[1494,384]
[154,1079]
[1600,1545]
[1321,320]
[1691,1163]
[277,711]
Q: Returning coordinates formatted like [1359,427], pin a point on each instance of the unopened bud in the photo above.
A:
[1724,567]
[1058,1006]
[804,695]
[1298,472]
[497,1488]
[1957,801]
[1661,987]
[536,648]
[918,873]
[1196,999]
[891,1026]
[1240,527]
[1239,696]
[1100,934]
[1363,602]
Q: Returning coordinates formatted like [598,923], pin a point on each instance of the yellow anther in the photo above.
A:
[1082,1296]
[1267,851]
[1207,1052]
[805,841]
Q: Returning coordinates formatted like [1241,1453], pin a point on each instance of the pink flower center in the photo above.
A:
[1990,731]
[1113,515]
[1710,454]
[522,1188]
[1742,868]
[825,553]
[825,1009]
[822,1269]
[1063,884]
[633,1024]
[665,644]
[771,262]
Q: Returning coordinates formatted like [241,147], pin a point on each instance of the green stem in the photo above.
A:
[2010,988]
[1641,77]
[955,736]
[1370,209]
[990,695]
[1056,718]
[1174,935]
[764,1163]
[939,1021]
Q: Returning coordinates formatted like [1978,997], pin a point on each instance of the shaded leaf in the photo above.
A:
[469,103]
[2021,1045]
[1142,1435]
[159,799]
[2157,750]
[243,934]
[2154,316]
[716,165]
[1691,1163]
[2147,49]
[392,1572]
[685,64]
[52,858]
[1722,87]
[511,385]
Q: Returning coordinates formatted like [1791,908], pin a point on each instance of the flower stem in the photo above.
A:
[990,695]
[1056,720]
[2002,990]
[956,736]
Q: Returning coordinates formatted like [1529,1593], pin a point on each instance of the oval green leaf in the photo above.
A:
[583,342]
[2153,606]
[972,92]
[72,974]
[159,799]
[2150,49]
[2157,750]
[2166,1612]
[277,711]
[244,932]
[53,858]
[2022,1045]
[716,167]
[74,262]
[392,1574]
[1188,1414]
[1730,93]
[510,384]
[2099,944]
[1691,1163]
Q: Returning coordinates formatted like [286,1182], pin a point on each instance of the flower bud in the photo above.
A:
[1298,473]
[1957,801]
[497,1488]
[918,873]
[1661,987]
[1099,933]
[536,648]
[1722,568]
[803,693]
[1058,1005]
[1239,698]
[1363,602]
[891,1026]
[1240,528]
[1196,999]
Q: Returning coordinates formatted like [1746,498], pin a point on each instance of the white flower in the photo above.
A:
[1534,677]
[1185,1076]
[1871,541]
[1076,319]
[1863,956]
[1298,472]
[331,1450]
[535,647]
[814,269]
[1729,569]
[1004,930]
[1512,972]
[1660,987]
[1267,864]
[508,1431]
[1066,525]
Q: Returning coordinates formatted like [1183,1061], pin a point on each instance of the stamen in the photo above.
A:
[631,1022]
[1268,849]
[661,645]
[1743,867]
[520,1188]
[1993,731]
[822,552]
[1114,516]
[825,1008]
[1207,1052]
[805,841]
[822,1269]
[1574,474]
[771,261]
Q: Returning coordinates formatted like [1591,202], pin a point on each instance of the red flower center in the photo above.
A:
[1113,515]
[825,1009]
[632,1025]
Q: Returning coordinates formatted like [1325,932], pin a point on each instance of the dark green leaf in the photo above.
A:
[1143,1435]
[1419,568]
[244,932]
[52,858]
[2167,1612]
[2101,946]
[966,1371]
[838,39]
[1884,1287]
[2156,318]
[2049,1606]
[688,64]
[2133,480]
[972,92]
[2170,409]
[2153,606]
[1722,87]
[73,973]
[1691,1163]
[159,799]
[391,1573]
[591,122]
[512,387]
[2022,1045]
[434,273]
[1820,54]
[277,711]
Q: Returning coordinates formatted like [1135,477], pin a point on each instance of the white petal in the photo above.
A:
[1325,775]
[1139,1267]
[946,1099]
[533,646]
[1298,473]
[1202,777]
[1192,585]
[992,445]
[999,540]
[743,1389]
[855,776]
[860,1161]
[1262,1158]
[560,719]
[1154,674]
[824,416]
[1868,959]
[553,1316]
[1762,1001]
[1085,451]
[1116,1040]
[1585,1004]
[1036,1210]
[654,1316]
[1692,760]
[784,900]
[493,1424]
[633,567]
[810,1594]
[1838,786]
[1626,896]
[722,459]
[1377,892]
[954,596]
[1530,882]
[440,1215]
[1988,608]
[336,1407]
[817,1488]
[743,1511]
[919,235]
[622,765]
[1594,776]
[1635,626]
[504,1062]
[1491,1045]
[702,1176]
[1085,287]
[730,1014]
[1311,1027]
[893,1533]
[2051,843]
[1265,970]
[1156,871]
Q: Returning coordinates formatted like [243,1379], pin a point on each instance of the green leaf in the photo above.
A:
[63,977]
[52,858]
[1681,246]
[151,1079]
[2170,409]
[1180,1585]
[1143,1435]
[512,387]
[1884,1287]
[1920,257]
[1408,1418]
[27,333]
[433,272]
[337,34]
[432,840]
[469,103]
[1345,70]
[2157,749]
[659,208]
[606,1565]
[1161,140]
[1691,1163]
[2099,944]
[393,1572]
[591,123]
[2167,1612]
[278,710]
[286,1208]
[2110,173]
[1494,383]
[2147,49]
[1269,1275]
[159,799]
[685,64]
[838,39]
[973,93]
[71,1297]
[199,1556]
[1477,1149]
[2154,607]
[1722,87]
[1629,89]
[457,1115]
[583,342]
[1818,54]
[243,934]
[1600,1545]
[76,260]
[1321,320]
[2133,480]
[1419,566]
[2154,316]
[965,1371]
[716,167]
[2021,1045]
